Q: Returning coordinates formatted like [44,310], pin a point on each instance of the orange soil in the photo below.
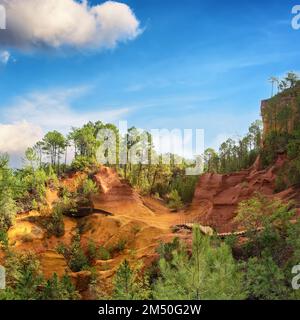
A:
[140,222]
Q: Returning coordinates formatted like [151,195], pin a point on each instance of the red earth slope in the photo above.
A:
[217,195]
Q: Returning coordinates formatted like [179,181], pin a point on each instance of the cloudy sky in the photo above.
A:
[157,64]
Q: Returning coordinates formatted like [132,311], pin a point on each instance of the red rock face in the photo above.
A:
[117,196]
[217,196]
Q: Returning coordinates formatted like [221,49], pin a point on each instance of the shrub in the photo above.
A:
[3,237]
[8,210]
[118,247]
[61,248]
[80,163]
[66,206]
[56,225]
[121,245]
[77,259]
[95,253]
[165,250]
[89,188]
[24,281]
[23,276]
[175,202]
[130,284]
[56,289]
[264,279]
[209,273]
[92,251]
[103,253]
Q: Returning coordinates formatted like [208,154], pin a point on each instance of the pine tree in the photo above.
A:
[130,284]
[211,273]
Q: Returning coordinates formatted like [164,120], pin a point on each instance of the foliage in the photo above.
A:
[166,250]
[80,163]
[54,145]
[8,205]
[25,281]
[270,252]
[60,289]
[130,284]
[118,247]
[8,210]
[264,279]
[235,155]
[77,259]
[103,253]
[95,252]
[210,273]
[88,188]
[261,211]
[56,225]
[175,202]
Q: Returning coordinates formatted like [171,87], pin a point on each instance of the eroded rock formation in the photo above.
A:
[217,196]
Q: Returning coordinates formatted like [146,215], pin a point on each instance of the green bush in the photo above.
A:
[264,279]
[24,281]
[3,237]
[89,188]
[129,284]
[80,163]
[77,259]
[59,289]
[8,210]
[61,249]
[104,254]
[55,224]
[121,245]
[209,273]
[97,253]
[118,247]
[175,202]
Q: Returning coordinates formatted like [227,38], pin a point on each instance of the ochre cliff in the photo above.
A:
[121,215]
[217,196]
[281,113]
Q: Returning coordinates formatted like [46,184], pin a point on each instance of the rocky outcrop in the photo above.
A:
[217,196]
[117,196]
[281,113]
[128,225]
[52,262]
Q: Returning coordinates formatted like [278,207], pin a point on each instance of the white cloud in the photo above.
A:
[29,117]
[4,57]
[17,137]
[53,23]
[53,110]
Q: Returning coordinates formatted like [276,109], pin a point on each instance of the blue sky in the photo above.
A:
[194,64]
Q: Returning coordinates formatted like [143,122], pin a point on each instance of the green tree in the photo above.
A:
[264,279]
[272,250]
[130,284]
[291,79]
[59,289]
[54,144]
[211,273]
[8,206]
[175,202]
[77,259]
[85,140]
